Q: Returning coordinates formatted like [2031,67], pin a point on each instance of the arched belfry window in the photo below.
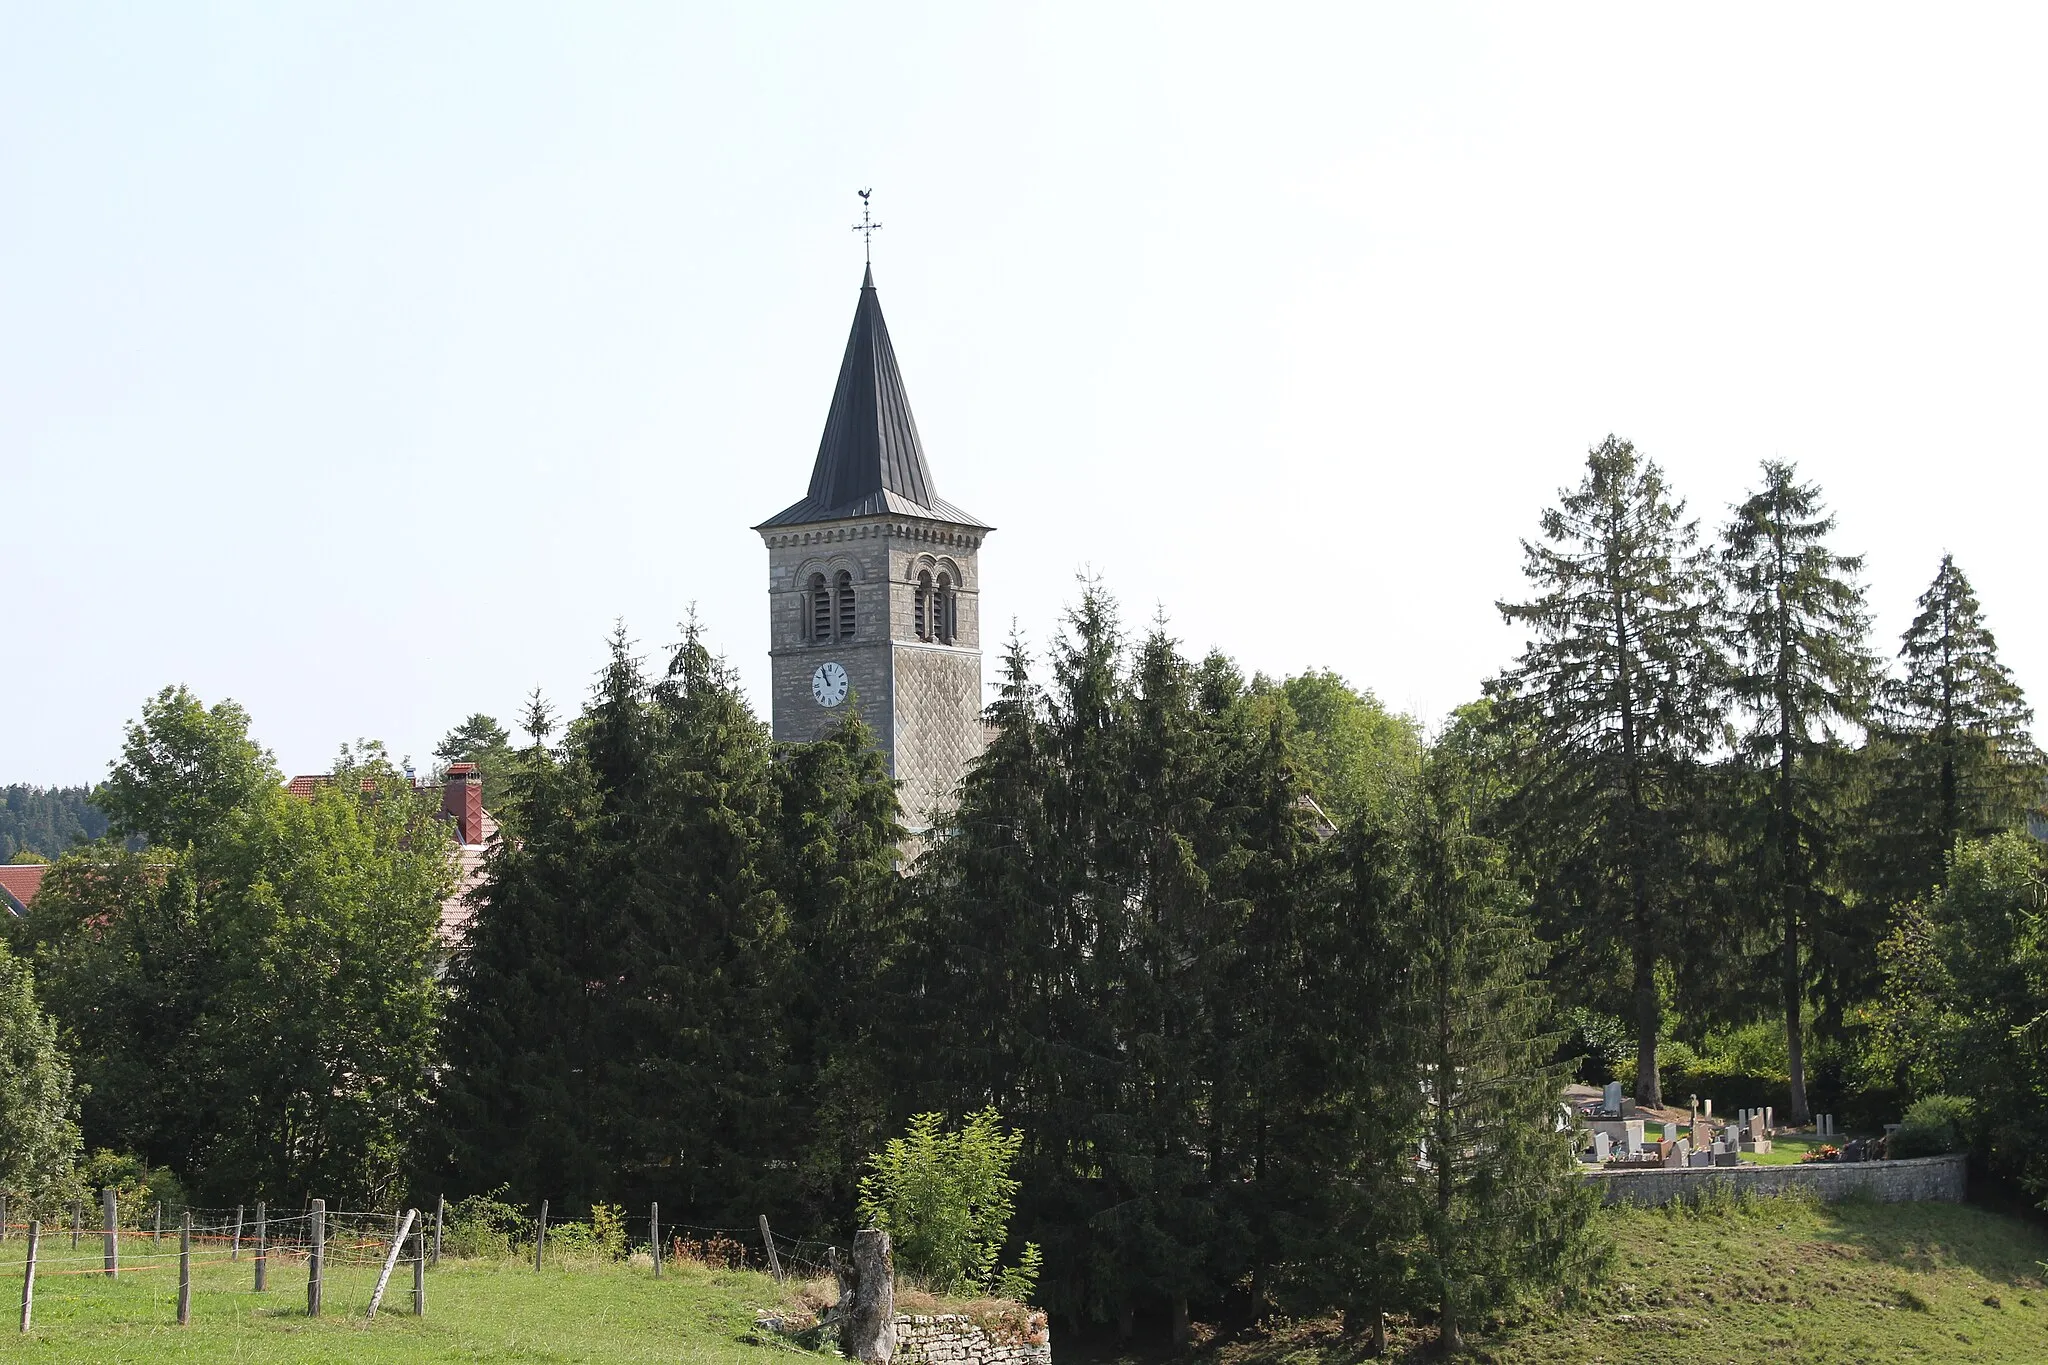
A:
[821,608]
[923,612]
[943,608]
[846,616]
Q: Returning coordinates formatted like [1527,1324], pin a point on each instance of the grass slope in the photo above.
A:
[476,1311]
[1783,1280]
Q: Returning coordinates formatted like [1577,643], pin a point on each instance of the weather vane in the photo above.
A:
[866,229]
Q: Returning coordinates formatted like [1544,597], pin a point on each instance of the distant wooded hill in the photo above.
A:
[46,820]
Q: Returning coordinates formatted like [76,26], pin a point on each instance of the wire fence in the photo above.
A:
[317,1249]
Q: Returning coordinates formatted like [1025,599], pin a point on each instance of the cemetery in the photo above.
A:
[1684,1151]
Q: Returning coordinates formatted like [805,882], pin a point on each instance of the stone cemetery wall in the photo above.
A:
[1937,1179]
[955,1339]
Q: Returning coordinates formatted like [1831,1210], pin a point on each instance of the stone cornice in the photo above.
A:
[895,528]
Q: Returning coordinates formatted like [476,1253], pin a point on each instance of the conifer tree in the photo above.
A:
[1614,694]
[1801,672]
[1502,1208]
[1955,758]
[838,844]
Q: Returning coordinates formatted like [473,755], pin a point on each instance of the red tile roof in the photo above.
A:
[19,883]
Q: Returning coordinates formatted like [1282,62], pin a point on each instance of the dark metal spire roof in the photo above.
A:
[870,461]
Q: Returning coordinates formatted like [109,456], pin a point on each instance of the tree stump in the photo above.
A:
[867,1301]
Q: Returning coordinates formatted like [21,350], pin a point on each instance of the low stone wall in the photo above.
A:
[1937,1179]
[954,1339]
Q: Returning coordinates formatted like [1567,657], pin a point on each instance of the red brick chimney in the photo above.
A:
[462,800]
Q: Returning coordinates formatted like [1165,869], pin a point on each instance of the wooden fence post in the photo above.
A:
[28,1272]
[3,1217]
[111,1213]
[262,1247]
[77,1221]
[185,1271]
[419,1270]
[319,1251]
[235,1247]
[540,1239]
[654,1235]
[440,1215]
[390,1260]
[768,1240]
[156,1238]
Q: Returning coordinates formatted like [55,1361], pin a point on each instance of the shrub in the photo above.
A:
[945,1199]
[482,1227]
[138,1187]
[602,1238]
[1934,1124]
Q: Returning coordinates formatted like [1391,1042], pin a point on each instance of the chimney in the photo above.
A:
[462,800]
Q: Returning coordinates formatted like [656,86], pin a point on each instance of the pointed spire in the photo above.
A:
[870,460]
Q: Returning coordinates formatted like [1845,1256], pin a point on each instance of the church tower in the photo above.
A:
[874,594]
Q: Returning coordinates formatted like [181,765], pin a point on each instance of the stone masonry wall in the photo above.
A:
[954,1339]
[1937,1179]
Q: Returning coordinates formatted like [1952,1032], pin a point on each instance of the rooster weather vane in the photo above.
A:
[866,229]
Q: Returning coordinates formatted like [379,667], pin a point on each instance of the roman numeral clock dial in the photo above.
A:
[828,684]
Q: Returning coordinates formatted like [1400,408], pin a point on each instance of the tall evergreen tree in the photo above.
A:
[1614,692]
[1502,1208]
[1955,757]
[660,994]
[1801,674]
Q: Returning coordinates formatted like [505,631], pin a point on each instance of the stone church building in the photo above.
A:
[874,593]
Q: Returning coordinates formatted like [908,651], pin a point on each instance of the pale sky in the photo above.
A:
[365,362]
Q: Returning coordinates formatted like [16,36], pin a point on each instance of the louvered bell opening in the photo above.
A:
[821,609]
[924,606]
[944,602]
[846,617]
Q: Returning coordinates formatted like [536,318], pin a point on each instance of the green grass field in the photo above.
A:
[476,1311]
[1785,1280]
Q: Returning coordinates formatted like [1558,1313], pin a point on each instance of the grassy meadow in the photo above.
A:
[1783,1280]
[1787,1280]
[476,1311]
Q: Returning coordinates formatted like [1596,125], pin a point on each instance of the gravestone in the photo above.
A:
[1700,1159]
[1678,1153]
[1602,1147]
[1610,1103]
[1727,1158]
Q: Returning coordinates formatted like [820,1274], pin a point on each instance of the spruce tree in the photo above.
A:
[1501,1205]
[1614,697]
[1801,674]
[1955,758]
[847,970]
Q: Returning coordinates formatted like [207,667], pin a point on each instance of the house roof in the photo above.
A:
[870,460]
[19,883]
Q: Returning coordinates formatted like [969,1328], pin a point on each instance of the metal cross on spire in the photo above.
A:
[866,229]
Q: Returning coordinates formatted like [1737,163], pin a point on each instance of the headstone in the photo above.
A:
[1770,1119]
[1678,1154]
[1602,1147]
[1632,1140]
[1700,1159]
[1727,1158]
[1708,1109]
[1610,1103]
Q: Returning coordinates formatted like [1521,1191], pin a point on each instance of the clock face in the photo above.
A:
[828,684]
